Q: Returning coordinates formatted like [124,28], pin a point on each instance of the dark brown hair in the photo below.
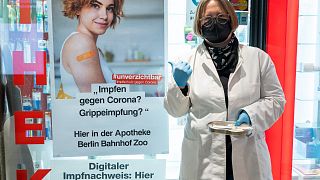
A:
[72,7]
[225,5]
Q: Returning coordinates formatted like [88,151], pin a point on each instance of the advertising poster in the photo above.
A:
[108,78]
[189,36]
[240,5]
[191,7]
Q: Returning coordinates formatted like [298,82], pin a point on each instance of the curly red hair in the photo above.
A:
[72,7]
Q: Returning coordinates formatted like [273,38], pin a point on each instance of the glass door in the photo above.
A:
[306,144]
[251,16]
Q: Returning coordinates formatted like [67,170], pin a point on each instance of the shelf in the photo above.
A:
[29,35]
[242,11]
[158,64]
[299,71]
[295,175]
[126,64]
[307,125]
[307,171]
[143,16]
[143,8]
[136,64]
[307,150]
[307,67]
[309,15]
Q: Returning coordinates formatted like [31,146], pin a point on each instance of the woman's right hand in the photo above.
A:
[181,72]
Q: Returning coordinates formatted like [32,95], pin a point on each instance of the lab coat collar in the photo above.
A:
[206,62]
[240,60]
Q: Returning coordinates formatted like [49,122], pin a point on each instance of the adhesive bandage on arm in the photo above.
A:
[86,56]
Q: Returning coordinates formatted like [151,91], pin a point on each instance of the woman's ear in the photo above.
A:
[78,13]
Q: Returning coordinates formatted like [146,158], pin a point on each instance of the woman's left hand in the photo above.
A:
[243,119]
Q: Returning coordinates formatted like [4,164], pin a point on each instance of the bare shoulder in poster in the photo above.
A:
[81,62]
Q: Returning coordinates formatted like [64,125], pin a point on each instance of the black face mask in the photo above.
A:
[216,33]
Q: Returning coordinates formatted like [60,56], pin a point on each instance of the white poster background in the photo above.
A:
[108,169]
[143,133]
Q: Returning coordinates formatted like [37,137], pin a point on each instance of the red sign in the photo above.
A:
[21,127]
[20,67]
[39,175]
[25,15]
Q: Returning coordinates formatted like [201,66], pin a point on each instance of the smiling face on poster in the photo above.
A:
[108,72]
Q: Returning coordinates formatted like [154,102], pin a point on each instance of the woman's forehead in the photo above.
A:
[214,7]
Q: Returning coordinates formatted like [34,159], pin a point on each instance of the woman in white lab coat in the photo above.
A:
[81,63]
[223,80]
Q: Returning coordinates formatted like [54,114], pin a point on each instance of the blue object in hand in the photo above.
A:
[243,119]
[181,72]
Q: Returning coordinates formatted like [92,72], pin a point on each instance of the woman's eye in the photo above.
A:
[96,6]
[110,9]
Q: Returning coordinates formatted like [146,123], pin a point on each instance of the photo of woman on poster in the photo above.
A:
[81,62]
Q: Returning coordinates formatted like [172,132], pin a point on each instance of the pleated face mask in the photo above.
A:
[216,29]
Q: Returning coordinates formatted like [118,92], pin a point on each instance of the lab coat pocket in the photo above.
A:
[189,160]
[263,156]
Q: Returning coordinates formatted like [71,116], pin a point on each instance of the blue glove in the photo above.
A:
[181,72]
[243,118]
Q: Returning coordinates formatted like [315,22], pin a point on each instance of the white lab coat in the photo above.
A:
[253,87]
